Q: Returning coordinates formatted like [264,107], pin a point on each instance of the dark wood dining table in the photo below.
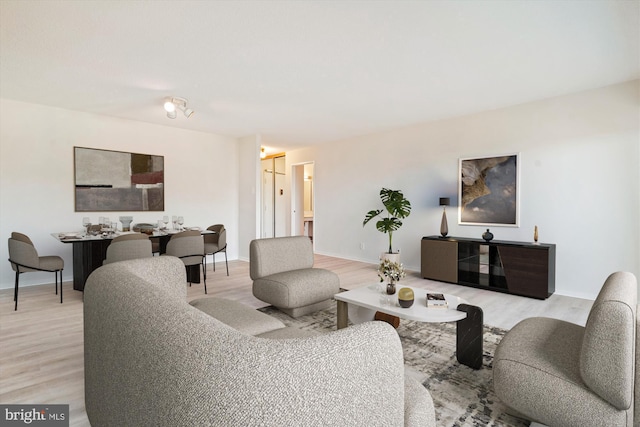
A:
[90,251]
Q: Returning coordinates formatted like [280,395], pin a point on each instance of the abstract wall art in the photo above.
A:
[108,180]
[489,191]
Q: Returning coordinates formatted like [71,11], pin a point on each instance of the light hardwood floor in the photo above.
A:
[41,345]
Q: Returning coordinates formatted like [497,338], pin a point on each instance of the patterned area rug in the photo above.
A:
[462,396]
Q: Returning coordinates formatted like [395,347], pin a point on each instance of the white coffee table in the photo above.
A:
[469,318]
[372,298]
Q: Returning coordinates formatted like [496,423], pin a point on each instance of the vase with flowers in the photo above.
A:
[391,270]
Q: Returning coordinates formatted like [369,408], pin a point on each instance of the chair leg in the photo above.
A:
[15,292]
[204,274]
[60,284]
[225,260]
[214,261]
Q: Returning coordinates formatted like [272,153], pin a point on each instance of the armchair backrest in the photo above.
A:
[22,251]
[279,254]
[129,246]
[220,236]
[185,244]
[607,358]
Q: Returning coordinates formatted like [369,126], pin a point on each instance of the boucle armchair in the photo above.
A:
[561,374]
[152,359]
[283,275]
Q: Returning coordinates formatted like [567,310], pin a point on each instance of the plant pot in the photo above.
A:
[394,257]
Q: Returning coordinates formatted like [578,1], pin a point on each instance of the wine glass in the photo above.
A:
[165,219]
[174,220]
[180,222]
[86,223]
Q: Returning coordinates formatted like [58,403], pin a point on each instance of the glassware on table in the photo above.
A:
[174,220]
[180,222]
[126,222]
[86,223]
[165,219]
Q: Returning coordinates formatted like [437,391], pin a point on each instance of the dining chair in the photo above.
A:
[214,243]
[189,247]
[24,258]
[128,246]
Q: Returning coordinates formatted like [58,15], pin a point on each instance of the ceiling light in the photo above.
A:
[169,106]
[188,112]
[174,103]
[262,153]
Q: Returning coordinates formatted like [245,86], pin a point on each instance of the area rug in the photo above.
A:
[462,396]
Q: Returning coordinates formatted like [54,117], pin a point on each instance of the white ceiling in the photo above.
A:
[305,72]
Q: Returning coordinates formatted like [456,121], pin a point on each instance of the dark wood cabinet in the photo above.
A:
[513,267]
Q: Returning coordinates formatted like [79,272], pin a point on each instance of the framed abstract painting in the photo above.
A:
[489,191]
[108,180]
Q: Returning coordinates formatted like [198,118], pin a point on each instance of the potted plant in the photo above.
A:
[397,207]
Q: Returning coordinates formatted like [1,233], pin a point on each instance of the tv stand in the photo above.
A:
[517,268]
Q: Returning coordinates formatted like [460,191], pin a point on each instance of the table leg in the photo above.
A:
[469,337]
[343,314]
[193,273]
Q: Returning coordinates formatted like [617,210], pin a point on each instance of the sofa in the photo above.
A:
[283,275]
[561,374]
[152,359]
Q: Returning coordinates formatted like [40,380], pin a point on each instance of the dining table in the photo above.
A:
[89,251]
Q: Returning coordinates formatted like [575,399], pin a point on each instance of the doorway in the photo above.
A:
[302,200]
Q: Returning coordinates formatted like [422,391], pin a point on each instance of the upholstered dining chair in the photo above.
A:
[24,258]
[214,243]
[189,247]
[128,246]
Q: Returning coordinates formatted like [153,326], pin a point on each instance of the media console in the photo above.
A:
[517,268]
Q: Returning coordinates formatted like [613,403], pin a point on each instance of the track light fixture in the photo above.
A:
[173,103]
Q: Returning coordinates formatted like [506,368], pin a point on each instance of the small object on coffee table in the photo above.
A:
[405,297]
[436,300]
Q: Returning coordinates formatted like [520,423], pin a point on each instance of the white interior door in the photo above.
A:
[267,199]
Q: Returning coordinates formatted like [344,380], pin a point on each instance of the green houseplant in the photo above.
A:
[397,207]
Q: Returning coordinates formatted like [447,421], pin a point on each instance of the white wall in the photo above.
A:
[37,183]
[249,193]
[580,182]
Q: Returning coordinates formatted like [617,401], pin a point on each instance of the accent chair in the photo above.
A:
[24,258]
[562,374]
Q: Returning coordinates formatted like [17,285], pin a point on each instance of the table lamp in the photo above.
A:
[444,228]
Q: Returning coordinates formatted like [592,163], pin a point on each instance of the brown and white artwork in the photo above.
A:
[108,180]
[488,191]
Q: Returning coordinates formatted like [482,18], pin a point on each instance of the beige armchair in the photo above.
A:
[151,359]
[24,258]
[214,243]
[561,374]
[283,275]
[189,247]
